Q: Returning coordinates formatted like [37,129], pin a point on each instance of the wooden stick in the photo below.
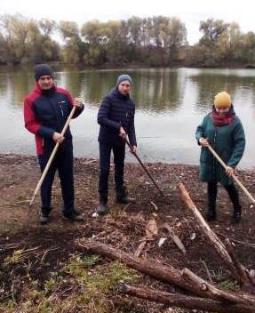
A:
[218,158]
[184,301]
[53,153]
[213,238]
[167,273]
[145,169]
[239,272]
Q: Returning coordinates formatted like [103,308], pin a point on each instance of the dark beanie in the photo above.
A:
[122,78]
[41,70]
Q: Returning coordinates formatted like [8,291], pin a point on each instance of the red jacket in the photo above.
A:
[45,112]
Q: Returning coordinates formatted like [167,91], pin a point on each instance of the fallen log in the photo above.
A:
[183,301]
[185,279]
[237,271]
[153,268]
[215,293]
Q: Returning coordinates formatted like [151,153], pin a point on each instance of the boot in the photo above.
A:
[233,194]
[122,196]
[102,208]
[236,217]
[44,216]
[74,216]
[211,215]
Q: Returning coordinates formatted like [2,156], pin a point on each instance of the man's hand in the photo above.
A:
[78,102]
[122,133]
[57,137]
[133,149]
[230,171]
[203,142]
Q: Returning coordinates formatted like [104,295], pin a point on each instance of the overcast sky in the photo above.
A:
[191,12]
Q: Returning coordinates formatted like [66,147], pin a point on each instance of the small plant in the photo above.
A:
[229,285]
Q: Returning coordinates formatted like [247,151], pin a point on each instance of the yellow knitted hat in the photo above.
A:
[222,100]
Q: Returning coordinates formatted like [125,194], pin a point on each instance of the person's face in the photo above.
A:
[45,82]
[124,87]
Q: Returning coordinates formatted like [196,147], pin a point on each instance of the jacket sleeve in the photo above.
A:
[78,111]
[200,130]
[131,133]
[32,124]
[103,115]
[239,145]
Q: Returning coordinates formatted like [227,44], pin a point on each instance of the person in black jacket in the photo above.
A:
[46,110]
[116,119]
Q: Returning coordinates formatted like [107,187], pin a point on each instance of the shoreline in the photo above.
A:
[130,161]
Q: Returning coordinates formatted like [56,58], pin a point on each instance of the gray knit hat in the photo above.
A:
[122,78]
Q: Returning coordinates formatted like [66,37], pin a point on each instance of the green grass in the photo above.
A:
[84,284]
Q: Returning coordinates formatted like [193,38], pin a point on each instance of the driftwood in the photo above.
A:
[184,279]
[238,271]
[174,237]
[202,295]
[168,274]
[178,300]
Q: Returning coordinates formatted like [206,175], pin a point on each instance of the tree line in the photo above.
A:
[152,41]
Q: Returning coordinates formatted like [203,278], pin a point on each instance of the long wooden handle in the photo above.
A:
[234,176]
[145,169]
[53,153]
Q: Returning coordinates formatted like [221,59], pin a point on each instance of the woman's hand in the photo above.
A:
[203,142]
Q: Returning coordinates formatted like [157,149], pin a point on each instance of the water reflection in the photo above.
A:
[210,84]
[170,104]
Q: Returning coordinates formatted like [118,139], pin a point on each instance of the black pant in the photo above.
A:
[212,195]
[105,157]
[63,162]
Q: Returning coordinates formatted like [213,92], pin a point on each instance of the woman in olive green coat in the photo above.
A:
[223,130]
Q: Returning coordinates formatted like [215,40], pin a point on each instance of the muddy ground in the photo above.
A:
[34,257]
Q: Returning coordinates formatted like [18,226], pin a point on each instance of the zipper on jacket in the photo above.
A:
[61,109]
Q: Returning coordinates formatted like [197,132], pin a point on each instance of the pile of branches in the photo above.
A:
[195,292]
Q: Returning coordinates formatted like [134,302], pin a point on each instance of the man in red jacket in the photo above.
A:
[46,110]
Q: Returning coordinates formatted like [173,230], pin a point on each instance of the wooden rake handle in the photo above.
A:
[234,176]
[53,153]
[145,169]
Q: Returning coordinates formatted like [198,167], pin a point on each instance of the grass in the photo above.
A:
[84,284]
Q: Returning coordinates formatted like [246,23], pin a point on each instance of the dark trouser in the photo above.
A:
[63,162]
[105,157]
[212,195]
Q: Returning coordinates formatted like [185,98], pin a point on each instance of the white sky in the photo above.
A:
[191,12]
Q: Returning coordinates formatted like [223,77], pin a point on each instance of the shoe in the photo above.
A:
[74,216]
[102,208]
[122,196]
[236,218]
[44,219]
[211,215]
[44,216]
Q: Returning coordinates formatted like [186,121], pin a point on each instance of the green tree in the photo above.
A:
[74,48]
